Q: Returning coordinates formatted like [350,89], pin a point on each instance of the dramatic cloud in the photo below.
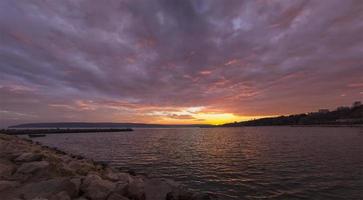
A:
[156,61]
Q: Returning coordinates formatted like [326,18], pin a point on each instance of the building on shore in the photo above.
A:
[341,108]
[357,104]
[323,110]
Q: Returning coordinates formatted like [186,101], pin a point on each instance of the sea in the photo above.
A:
[235,163]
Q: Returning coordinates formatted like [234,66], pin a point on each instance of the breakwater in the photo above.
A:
[31,171]
[61,130]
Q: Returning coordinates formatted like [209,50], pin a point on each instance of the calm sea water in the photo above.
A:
[236,163]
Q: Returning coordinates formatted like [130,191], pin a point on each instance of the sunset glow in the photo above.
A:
[176,62]
[197,115]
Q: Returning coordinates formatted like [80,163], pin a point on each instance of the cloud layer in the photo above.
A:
[142,61]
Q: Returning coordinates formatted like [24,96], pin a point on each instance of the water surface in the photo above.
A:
[236,163]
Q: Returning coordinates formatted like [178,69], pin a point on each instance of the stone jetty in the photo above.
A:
[31,171]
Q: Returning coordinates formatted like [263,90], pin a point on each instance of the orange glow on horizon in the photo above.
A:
[211,119]
[198,115]
[155,114]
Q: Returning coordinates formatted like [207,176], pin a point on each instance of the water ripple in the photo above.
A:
[236,163]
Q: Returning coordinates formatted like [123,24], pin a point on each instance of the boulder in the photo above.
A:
[32,167]
[120,188]
[12,155]
[187,195]
[179,195]
[61,196]
[131,172]
[136,189]
[6,169]
[102,164]
[116,196]
[79,167]
[96,188]
[111,174]
[125,178]
[117,176]
[156,189]
[81,198]
[4,185]
[28,157]
[201,196]
[77,181]
[49,188]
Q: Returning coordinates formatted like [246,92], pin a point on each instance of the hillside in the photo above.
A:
[341,116]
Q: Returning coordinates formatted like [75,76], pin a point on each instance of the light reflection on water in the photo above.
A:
[236,163]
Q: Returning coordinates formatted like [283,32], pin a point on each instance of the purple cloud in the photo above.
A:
[125,59]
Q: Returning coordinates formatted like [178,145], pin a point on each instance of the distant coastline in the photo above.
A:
[342,116]
[101,125]
[24,131]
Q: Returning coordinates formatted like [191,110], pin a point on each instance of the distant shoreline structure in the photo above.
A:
[99,125]
[343,116]
[24,131]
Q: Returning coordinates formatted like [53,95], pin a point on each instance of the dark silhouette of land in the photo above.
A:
[342,116]
[99,125]
[61,130]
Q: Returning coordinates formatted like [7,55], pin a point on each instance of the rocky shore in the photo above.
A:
[30,171]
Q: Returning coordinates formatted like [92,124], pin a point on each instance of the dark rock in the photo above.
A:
[201,196]
[6,169]
[78,157]
[116,196]
[131,172]
[136,189]
[32,167]
[28,157]
[156,189]
[80,167]
[77,181]
[81,198]
[179,195]
[114,175]
[96,188]
[49,188]
[103,164]
[4,185]
[61,196]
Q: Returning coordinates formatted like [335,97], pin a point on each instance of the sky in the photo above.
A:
[177,61]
